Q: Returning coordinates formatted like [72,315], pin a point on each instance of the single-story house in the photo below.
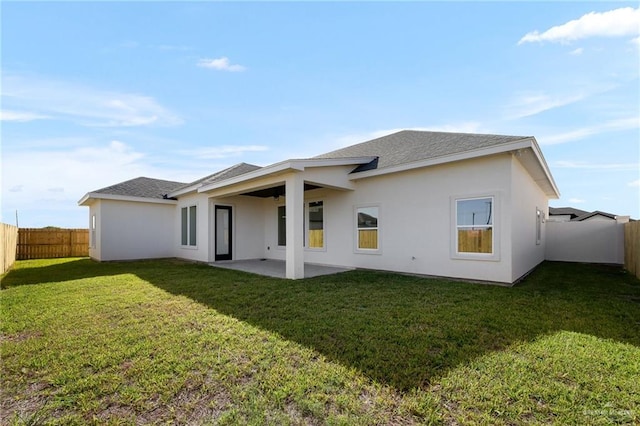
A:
[469,206]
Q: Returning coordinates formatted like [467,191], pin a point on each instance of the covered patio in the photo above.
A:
[276,268]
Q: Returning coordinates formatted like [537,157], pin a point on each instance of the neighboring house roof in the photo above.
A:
[408,146]
[577,215]
[592,214]
[138,188]
[566,211]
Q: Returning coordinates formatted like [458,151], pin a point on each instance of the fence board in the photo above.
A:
[632,247]
[8,243]
[50,243]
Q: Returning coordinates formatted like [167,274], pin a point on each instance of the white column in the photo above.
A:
[294,193]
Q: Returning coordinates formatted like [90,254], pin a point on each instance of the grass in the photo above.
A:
[175,342]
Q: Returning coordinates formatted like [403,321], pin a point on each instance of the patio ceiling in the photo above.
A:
[276,191]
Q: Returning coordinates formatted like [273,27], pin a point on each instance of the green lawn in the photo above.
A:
[175,342]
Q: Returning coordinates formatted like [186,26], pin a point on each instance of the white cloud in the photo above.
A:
[528,104]
[21,116]
[603,166]
[577,52]
[225,151]
[220,64]
[577,200]
[614,23]
[581,133]
[634,184]
[88,106]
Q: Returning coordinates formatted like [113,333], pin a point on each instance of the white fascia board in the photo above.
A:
[467,155]
[192,188]
[84,201]
[543,163]
[285,166]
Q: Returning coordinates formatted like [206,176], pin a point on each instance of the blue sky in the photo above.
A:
[98,93]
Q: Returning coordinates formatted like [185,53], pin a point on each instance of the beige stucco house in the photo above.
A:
[457,205]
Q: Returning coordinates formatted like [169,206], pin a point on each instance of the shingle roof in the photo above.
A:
[141,187]
[594,213]
[408,146]
[233,171]
[554,211]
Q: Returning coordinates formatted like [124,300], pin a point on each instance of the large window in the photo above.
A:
[315,223]
[367,232]
[188,225]
[282,225]
[474,225]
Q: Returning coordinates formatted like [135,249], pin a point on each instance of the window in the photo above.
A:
[188,226]
[474,225]
[93,231]
[539,221]
[367,224]
[282,225]
[316,225]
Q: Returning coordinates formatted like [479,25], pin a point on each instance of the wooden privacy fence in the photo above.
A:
[49,243]
[9,240]
[632,247]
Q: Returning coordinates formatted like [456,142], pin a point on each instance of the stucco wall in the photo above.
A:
[416,220]
[247,230]
[133,230]
[526,197]
[597,241]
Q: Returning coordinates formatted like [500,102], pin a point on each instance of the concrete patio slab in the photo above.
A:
[276,268]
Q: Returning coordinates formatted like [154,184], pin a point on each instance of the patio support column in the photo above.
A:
[294,193]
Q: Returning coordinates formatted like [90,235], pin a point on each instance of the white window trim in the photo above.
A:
[495,226]
[93,231]
[277,245]
[306,226]
[357,249]
[539,222]
[198,212]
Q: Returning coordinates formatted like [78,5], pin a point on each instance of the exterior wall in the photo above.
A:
[597,241]
[133,230]
[526,197]
[199,252]
[416,220]
[247,230]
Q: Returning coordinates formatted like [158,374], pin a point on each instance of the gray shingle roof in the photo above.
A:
[141,187]
[233,171]
[554,211]
[408,146]
[591,214]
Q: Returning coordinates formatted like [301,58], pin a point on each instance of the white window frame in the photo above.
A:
[495,226]
[307,222]
[93,231]
[356,235]
[190,223]
[282,247]
[539,222]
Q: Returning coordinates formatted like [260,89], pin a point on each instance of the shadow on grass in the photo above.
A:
[399,330]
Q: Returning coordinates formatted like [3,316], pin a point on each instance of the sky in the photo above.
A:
[95,93]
